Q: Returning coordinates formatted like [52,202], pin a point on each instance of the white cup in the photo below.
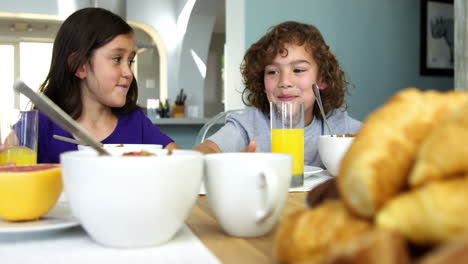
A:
[247,191]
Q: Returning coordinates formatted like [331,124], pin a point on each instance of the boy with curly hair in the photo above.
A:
[282,66]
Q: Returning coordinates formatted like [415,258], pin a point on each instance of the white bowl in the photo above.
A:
[119,149]
[332,150]
[132,201]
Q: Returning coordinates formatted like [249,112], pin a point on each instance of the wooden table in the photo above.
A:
[232,249]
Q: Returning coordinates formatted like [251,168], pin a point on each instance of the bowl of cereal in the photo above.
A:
[332,149]
[132,201]
[119,149]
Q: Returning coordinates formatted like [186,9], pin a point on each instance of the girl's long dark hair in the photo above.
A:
[79,36]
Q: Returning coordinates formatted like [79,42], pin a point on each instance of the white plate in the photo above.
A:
[59,217]
[309,170]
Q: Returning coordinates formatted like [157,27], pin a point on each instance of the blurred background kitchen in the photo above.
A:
[197,46]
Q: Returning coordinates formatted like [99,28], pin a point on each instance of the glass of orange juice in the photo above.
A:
[287,135]
[18,136]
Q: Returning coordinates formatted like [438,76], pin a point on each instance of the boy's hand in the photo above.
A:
[252,147]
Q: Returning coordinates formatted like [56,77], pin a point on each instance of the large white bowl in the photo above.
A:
[132,201]
[332,150]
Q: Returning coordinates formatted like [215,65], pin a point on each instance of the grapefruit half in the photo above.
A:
[28,192]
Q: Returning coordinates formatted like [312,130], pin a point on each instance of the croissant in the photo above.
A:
[376,247]
[444,153]
[309,235]
[377,164]
[434,213]
[455,252]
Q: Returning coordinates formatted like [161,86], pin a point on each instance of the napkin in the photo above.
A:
[75,246]
[311,181]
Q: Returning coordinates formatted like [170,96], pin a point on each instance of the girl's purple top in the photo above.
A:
[132,128]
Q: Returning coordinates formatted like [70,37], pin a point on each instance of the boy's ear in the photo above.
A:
[323,86]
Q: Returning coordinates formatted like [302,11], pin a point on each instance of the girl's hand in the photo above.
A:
[252,147]
[325,190]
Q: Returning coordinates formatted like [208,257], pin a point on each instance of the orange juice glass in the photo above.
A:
[18,136]
[287,135]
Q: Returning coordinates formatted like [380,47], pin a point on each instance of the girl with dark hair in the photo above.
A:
[282,66]
[91,79]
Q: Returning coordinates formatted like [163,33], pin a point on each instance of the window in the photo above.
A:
[7,74]
[34,64]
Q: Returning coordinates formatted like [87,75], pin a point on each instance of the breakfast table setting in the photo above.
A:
[123,203]
[58,237]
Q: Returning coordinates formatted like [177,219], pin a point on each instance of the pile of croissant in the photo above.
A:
[403,188]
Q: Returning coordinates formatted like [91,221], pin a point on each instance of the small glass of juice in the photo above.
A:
[287,135]
[18,136]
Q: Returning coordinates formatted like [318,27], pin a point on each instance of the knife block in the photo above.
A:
[178,111]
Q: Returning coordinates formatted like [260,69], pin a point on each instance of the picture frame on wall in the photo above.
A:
[437,37]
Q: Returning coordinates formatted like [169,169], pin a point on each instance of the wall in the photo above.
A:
[213,89]
[194,53]
[234,52]
[26,6]
[376,42]
[461,45]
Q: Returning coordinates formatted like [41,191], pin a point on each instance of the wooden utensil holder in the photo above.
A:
[178,111]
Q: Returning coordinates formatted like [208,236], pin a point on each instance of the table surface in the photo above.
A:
[230,249]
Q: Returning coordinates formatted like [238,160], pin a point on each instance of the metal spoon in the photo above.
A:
[71,140]
[318,99]
[55,113]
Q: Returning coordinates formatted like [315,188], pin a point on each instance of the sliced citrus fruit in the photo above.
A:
[19,155]
[27,192]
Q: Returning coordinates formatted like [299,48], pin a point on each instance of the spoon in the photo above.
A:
[71,140]
[55,113]
[320,105]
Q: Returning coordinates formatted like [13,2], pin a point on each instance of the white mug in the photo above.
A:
[247,191]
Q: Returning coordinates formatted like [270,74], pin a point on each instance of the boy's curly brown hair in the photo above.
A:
[264,51]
